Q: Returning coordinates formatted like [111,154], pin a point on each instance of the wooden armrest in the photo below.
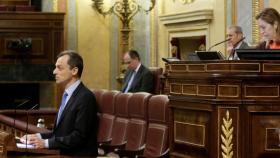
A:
[110,148]
[129,153]
[163,155]
[105,142]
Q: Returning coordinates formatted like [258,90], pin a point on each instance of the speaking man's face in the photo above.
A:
[63,73]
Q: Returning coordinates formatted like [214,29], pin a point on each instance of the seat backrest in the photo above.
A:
[137,110]
[4,8]
[121,120]
[107,102]
[98,95]
[107,115]
[157,72]
[157,133]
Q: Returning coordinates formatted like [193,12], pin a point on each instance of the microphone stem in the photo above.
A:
[14,126]
[26,129]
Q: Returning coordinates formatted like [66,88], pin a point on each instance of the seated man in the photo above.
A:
[137,78]
[75,127]
[235,34]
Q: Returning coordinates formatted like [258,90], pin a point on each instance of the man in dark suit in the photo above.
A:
[235,34]
[75,127]
[137,78]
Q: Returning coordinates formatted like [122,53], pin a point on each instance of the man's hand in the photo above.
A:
[34,140]
[37,142]
[27,138]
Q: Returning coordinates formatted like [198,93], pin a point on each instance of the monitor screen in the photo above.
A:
[170,59]
[257,54]
[209,55]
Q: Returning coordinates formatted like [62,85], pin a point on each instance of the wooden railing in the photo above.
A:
[14,121]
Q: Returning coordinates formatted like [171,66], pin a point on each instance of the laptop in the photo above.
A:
[209,55]
[170,59]
[257,54]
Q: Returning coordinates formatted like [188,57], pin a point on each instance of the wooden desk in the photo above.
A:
[8,148]
[227,109]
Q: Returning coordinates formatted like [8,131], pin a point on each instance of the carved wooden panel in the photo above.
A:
[265,134]
[271,67]
[196,67]
[234,67]
[206,90]
[178,68]
[191,128]
[189,89]
[224,109]
[44,30]
[15,2]
[229,90]
[255,91]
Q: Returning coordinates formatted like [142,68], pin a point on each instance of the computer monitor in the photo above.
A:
[170,59]
[193,57]
[209,55]
[257,54]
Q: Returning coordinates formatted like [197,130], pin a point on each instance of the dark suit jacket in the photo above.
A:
[244,45]
[76,133]
[143,81]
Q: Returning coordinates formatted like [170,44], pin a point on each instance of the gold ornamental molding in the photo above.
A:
[186,1]
[226,136]
[255,28]
[55,5]
[198,15]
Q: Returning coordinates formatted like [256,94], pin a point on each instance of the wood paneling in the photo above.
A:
[224,108]
[44,29]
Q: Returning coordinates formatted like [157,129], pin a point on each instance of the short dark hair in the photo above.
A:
[134,54]
[75,60]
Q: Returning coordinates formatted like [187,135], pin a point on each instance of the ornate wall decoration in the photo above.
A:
[55,5]
[255,28]
[186,1]
[226,137]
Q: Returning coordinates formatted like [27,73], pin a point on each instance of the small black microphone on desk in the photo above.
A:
[33,107]
[15,111]
[219,43]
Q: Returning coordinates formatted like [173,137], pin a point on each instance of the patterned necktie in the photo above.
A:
[130,82]
[62,106]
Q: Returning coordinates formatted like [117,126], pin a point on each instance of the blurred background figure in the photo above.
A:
[138,78]
[175,48]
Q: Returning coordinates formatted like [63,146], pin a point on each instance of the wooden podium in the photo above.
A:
[224,109]
[8,147]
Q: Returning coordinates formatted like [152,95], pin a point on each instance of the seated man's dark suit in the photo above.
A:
[243,45]
[76,132]
[143,80]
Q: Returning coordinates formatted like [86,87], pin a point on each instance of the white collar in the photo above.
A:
[138,67]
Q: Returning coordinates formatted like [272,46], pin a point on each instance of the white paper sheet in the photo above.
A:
[28,146]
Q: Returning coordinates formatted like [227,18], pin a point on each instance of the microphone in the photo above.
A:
[232,53]
[26,129]
[15,111]
[240,40]
[219,43]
